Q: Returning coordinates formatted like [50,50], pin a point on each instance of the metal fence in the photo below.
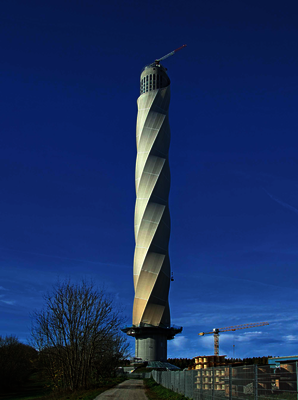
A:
[255,382]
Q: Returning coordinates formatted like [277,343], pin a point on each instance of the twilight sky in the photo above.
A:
[69,84]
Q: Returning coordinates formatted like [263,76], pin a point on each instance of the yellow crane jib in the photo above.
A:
[215,332]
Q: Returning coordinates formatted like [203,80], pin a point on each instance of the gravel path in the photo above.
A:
[132,389]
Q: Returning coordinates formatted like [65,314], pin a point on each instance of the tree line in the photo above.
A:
[182,363]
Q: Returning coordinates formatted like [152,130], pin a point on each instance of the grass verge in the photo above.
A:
[154,391]
[40,394]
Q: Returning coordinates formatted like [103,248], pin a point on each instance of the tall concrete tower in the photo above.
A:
[151,325]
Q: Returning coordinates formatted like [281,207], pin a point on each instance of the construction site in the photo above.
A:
[217,377]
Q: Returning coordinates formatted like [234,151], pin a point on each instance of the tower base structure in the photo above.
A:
[151,341]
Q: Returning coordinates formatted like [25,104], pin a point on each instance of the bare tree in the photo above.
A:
[73,333]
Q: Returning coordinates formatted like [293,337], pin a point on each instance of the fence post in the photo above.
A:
[230,381]
[297,378]
[256,381]
[201,380]
[212,392]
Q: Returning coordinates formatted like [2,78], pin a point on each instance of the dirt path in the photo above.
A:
[132,389]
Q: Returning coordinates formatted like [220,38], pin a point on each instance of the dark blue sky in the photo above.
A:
[69,83]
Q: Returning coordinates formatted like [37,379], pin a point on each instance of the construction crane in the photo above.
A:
[216,331]
[157,61]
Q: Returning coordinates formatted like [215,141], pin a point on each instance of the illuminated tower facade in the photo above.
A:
[152,217]
[151,324]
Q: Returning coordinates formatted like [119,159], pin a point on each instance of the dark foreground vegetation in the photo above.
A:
[16,363]
[158,392]
[76,347]
[35,390]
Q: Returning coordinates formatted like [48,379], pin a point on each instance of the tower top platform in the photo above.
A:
[155,66]
[153,76]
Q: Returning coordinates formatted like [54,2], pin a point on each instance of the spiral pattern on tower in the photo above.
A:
[152,217]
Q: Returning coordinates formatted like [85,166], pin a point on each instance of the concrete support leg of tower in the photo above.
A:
[151,341]
[151,347]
